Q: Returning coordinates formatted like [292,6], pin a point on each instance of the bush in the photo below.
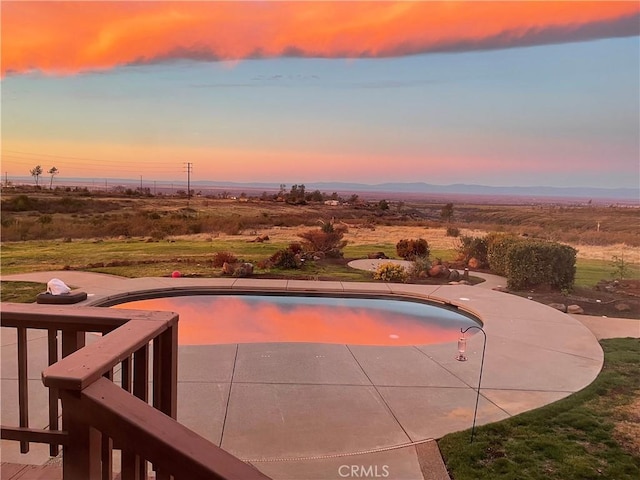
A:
[420,268]
[498,253]
[220,258]
[390,272]
[453,232]
[531,263]
[327,240]
[472,247]
[285,259]
[411,249]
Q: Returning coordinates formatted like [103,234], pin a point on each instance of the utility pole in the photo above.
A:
[140,183]
[154,188]
[189,169]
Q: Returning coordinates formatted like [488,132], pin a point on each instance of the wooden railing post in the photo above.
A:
[72,340]
[165,371]
[23,384]
[52,341]
[81,457]
[165,376]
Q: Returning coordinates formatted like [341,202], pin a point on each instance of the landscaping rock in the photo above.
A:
[559,306]
[244,270]
[454,275]
[228,268]
[439,271]
[575,309]
[377,255]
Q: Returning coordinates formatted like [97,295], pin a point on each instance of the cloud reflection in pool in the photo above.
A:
[217,319]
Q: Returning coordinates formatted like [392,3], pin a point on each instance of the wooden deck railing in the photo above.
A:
[97,415]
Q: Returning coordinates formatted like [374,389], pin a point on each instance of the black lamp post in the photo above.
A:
[462,348]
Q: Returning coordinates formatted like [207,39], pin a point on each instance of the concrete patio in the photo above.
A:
[305,410]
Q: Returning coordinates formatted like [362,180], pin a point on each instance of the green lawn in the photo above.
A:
[590,272]
[192,257]
[583,436]
[21,292]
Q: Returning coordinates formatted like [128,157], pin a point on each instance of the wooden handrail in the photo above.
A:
[86,365]
[170,446]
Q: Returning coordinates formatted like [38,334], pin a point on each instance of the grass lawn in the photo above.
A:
[193,256]
[592,434]
[21,292]
[590,272]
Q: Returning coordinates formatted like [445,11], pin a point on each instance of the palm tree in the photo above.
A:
[53,171]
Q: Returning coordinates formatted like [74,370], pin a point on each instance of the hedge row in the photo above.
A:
[527,263]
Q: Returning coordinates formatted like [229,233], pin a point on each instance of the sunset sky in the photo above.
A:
[493,93]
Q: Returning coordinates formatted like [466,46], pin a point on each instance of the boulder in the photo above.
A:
[377,255]
[575,309]
[244,270]
[454,275]
[228,268]
[559,306]
[439,271]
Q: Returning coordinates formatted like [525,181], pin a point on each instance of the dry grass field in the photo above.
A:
[599,233]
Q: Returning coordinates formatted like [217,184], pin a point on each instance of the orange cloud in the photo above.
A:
[72,37]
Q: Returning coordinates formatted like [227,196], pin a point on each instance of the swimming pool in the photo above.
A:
[220,319]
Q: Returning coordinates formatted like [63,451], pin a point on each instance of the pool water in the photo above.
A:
[218,319]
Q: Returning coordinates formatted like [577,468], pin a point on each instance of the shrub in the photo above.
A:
[411,249]
[220,258]
[621,269]
[498,253]
[390,272]
[472,247]
[285,259]
[531,263]
[453,232]
[327,240]
[420,268]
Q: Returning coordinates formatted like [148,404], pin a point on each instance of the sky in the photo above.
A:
[507,93]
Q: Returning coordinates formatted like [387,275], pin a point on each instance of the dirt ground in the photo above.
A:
[622,302]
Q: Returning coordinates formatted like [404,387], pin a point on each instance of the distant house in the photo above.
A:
[333,203]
